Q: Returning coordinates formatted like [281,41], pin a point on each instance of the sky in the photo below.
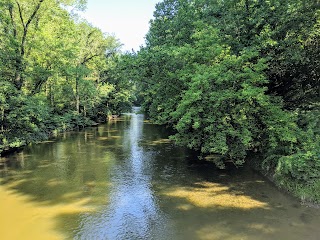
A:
[128,20]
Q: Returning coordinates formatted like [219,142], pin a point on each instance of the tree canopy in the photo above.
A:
[237,79]
[57,71]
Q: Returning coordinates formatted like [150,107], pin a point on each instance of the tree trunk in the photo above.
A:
[77,95]
[18,80]
[49,93]
[2,119]
[19,65]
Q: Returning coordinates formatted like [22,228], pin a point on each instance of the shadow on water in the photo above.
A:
[65,178]
[202,202]
[126,180]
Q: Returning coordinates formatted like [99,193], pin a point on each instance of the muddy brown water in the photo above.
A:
[126,180]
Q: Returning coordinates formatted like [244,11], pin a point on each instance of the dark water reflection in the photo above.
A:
[126,180]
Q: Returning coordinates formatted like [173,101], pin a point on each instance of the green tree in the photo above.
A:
[52,70]
[236,77]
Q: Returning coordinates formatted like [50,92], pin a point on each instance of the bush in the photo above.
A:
[299,170]
[26,119]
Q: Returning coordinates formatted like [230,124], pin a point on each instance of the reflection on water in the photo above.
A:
[133,212]
[126,180]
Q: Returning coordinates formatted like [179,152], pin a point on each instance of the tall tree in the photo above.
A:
[93,46]
[22,17]
[25,17]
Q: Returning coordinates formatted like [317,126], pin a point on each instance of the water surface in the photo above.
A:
[126,180]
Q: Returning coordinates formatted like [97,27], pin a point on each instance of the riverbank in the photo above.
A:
[15,143]
[308,195]
[53,130]
[127,180]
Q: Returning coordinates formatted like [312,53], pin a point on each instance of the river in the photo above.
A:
[127,180]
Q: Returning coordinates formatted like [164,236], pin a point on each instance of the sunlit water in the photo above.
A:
[126,180]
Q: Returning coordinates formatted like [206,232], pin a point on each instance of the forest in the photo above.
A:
[237,81]
[58,72]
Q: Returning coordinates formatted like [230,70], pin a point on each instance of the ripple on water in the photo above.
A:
[126,180]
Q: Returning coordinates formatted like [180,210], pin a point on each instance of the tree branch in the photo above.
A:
[20,14]
[88,38]
[87,59]
[12,21]
[34,13]
[25,26]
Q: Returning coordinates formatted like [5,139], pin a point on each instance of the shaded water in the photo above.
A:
[126,180]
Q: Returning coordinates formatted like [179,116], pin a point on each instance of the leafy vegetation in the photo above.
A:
[57,71]
[233,79]
[237,78]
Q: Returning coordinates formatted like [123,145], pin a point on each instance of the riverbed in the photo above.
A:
[127,180]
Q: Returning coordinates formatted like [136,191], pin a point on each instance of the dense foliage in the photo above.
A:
[237,79]
[57,72]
